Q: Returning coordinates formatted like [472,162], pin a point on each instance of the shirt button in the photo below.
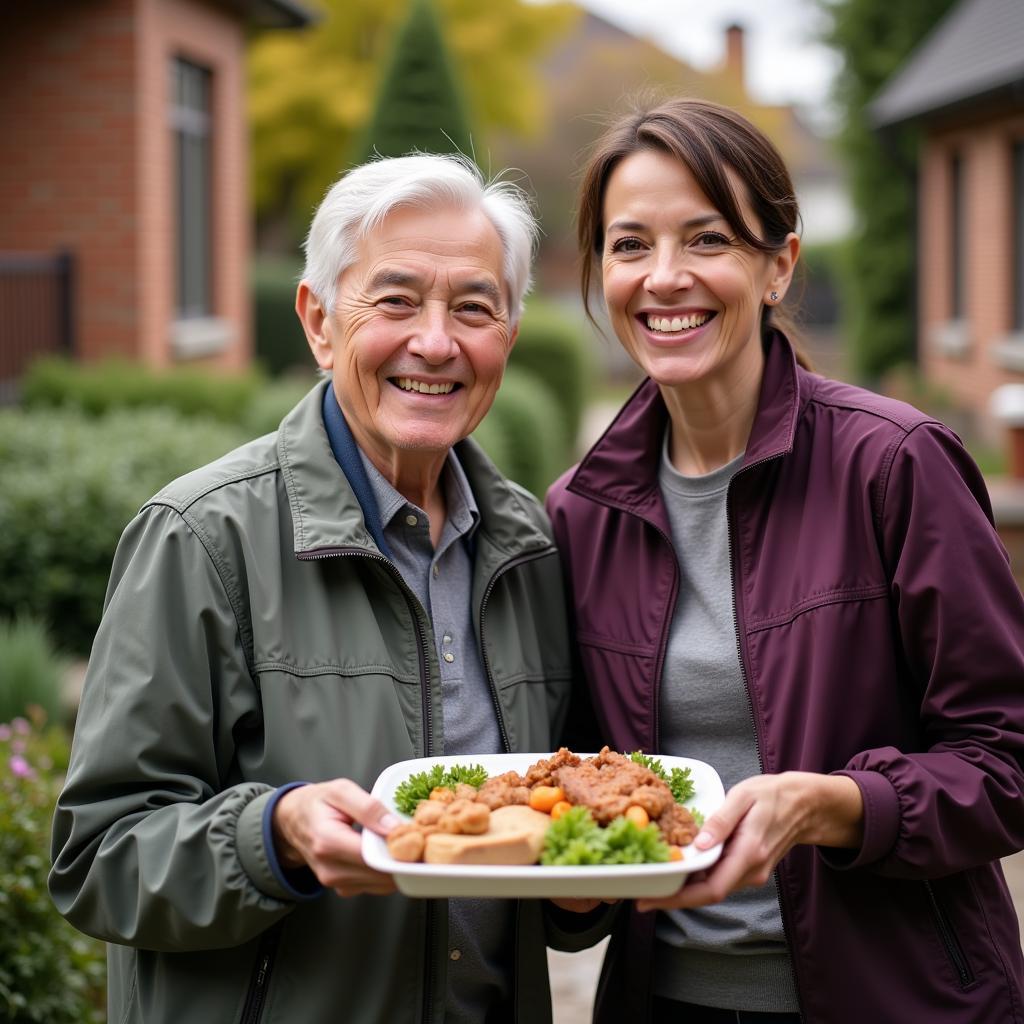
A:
[455,954]
[436,571]
[446,639]
[411,520]
[449,657]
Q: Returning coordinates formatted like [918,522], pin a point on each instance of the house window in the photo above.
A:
[957,237]
[191,129]
[1018,236]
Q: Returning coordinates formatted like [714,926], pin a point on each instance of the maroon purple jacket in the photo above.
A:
[881,635]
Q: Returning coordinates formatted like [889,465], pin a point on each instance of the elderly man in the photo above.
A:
[359,588]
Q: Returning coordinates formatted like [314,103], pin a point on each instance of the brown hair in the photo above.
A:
[707,138]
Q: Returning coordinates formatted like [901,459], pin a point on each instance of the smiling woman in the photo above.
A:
[764,564]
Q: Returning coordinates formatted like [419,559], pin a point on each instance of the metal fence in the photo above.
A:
[36,312]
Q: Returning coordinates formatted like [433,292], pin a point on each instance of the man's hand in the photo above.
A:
[312,827]
[761,820]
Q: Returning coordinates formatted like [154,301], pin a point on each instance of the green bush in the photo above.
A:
[31,670]
[279,338]
[49,973]
[271,403]
[71,483]
[97,388]
[551,346]
[534,447]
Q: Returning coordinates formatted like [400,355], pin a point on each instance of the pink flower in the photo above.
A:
[20,767]
[5,732]
[21,726]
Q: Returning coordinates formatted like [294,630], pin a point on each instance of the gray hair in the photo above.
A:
[360,200]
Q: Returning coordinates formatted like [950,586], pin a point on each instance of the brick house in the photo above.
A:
[123,146]
[963,88]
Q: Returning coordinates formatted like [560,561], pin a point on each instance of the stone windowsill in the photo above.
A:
[201,336]
[1008,352]
[951,338]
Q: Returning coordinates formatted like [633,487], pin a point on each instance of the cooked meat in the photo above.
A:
[429,812]
[677,825]
[543,772]
[442,794]
[655,800]
[610,782]
[465,817]
[503,791]
[406,842]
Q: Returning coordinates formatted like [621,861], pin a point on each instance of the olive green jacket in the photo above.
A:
[254,635]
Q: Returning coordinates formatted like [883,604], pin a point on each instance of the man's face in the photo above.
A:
[420,334]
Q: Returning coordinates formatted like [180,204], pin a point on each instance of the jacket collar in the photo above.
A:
[621,469]
[326,506]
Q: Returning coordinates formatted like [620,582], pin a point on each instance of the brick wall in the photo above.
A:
[201,35]
[86,161]
[67,135]
[985,148]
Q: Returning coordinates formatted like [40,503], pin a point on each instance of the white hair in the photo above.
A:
[360,200]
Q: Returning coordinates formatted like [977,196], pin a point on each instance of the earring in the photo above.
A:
[774,296]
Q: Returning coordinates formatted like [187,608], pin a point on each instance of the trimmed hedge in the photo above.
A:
[551,346]
[71,483]
[97,388]
[534,449]
[279,339]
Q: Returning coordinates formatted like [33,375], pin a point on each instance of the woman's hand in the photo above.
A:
[761,820]
[312,827]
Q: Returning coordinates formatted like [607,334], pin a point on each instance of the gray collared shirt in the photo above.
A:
[479,931]
[442,581]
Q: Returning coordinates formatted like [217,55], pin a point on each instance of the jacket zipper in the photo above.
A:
[532,556]
[750,701]
[424,659]
[256,997]
[953,948]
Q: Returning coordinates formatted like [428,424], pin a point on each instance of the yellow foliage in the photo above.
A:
[310,91]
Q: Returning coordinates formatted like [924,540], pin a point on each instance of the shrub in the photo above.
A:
[71,483]
[280,341]
[98,388]
[526,415]
[551,346]
[270,405]
[49,973]
[31,671]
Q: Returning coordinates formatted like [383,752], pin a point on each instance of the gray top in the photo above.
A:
[976,49]
[732,955]
[479,931]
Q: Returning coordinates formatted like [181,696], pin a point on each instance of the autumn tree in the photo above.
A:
[311,92]
[419,104]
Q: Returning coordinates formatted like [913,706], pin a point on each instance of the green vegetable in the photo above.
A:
[678,780]
[649,762]
[682,785]
[576,838]
[419,786]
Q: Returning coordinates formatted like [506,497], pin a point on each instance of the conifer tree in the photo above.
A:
[419,103]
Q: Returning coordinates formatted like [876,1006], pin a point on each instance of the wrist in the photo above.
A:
[836,816]
[287,853]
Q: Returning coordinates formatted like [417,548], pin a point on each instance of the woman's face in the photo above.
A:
[684,294]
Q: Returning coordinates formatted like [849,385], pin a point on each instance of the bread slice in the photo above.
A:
[516,836]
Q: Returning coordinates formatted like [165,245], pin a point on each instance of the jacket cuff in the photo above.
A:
[881,823]
[255,844]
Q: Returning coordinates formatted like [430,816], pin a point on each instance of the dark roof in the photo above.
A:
[275,13]
[975,51]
